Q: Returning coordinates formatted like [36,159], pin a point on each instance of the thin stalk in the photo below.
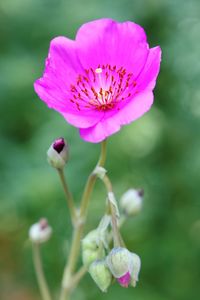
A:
[78,229]
[73,256]
[44,290]
[118,241]
[69,197]
[78,276]
[91,181]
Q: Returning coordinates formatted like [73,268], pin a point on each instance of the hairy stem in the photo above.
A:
[67,282]
[91,181]
[44,290]
[69,197]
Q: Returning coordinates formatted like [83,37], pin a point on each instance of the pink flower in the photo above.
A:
[102,80]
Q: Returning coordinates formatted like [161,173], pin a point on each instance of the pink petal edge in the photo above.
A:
[108,126]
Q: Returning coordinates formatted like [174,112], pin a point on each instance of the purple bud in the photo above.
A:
[58,153]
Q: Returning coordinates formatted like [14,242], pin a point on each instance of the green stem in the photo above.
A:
[44,290]
[78,275]
[91,181]
[69,197]
[78,229]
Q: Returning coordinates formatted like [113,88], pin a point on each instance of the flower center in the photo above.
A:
[102,88]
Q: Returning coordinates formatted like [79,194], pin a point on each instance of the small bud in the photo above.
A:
[40,232]
[90,248]
[89,256]
[124,266]
[118,261]
[100,274]
[131,202]
[90,240]
[58,153]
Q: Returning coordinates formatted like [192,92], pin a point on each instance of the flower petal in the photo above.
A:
[108,42]
[56,99]
[63,59]
[147,78]
[83,120]
[124,280]
[108,126]
[61,69]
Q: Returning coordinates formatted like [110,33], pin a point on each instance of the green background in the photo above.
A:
[160,152]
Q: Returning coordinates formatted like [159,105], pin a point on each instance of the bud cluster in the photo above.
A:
[119,263]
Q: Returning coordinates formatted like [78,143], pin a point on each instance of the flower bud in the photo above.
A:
[124,266]
[100,274]
[131,202]
[90,248]
[58,153]
[40,232]
[118,261]
[90,240]
[89,256]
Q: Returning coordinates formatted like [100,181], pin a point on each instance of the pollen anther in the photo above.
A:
[102,88]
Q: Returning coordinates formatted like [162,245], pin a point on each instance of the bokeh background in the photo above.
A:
[160,152]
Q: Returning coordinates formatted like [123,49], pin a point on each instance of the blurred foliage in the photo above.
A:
[159,152]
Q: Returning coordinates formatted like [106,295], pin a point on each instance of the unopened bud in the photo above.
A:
[101,274]
[58,153]
[124,266]
[90,240]
[40,232]
[131,202]
[91,249]
[89,256]
[118,261]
